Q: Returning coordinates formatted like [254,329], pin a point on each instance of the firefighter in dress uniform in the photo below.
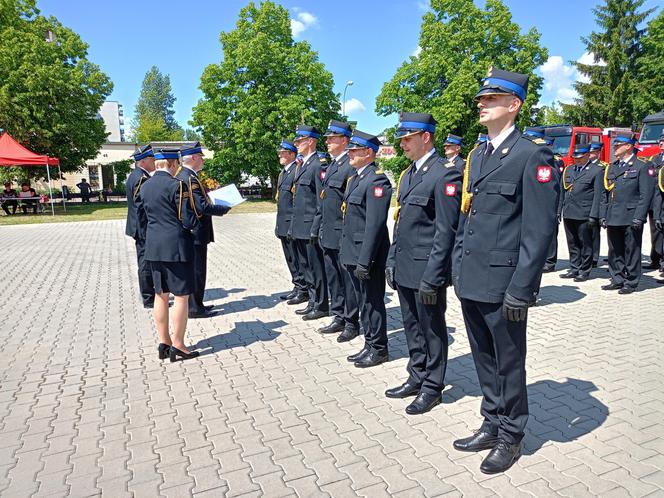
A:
[658,204]
[452,146]
[509,201]
[307,186]
[328,223]
[287,153]
[582,191]
[192,163]
[419,261]
[656,236]
[169,249]
[623,211]
[137,222]
[365,243]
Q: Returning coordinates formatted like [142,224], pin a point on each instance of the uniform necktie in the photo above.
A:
[487,154]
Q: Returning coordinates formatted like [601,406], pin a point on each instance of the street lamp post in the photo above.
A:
[343,100]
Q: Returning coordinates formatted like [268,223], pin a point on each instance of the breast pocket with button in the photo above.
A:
[499,198]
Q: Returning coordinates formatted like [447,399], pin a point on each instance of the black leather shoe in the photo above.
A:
[595,264]
[288,296]
[164,351]
[348,334]
[612,286]
[305,311]
[175,352]
[423,403]
[501,457]
[626,290]
[479,441]
[548,269]
[359,355]
[203,314]
[651,266]
[299,299]
[315,315]
[371,359]
[148,306]
[337,325]
[403,391]
[569,274]
[581,277]
[208,307]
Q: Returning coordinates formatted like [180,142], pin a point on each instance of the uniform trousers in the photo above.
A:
[343,301]
[371,299]
[297,273]
[579,235]
[552,254]
[200,276]
[597,241]
[145,283]
[625,254]
[310,256]
[657,242]
[426,336]
[499,352]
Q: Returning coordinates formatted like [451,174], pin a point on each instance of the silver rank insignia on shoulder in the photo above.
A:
[425,168]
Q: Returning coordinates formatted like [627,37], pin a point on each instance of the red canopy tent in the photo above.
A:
[13,153]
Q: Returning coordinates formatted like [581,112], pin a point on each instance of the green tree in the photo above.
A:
[459,41]
[154,117]
[551,114]
[265,85]
[607,98]
[650,97]
[50,93]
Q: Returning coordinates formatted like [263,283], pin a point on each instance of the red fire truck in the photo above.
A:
[651,129]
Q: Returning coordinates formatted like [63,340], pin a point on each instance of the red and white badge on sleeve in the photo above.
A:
[450,189]
[544,174]
[378,191]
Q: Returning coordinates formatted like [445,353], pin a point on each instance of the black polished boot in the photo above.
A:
[501,457]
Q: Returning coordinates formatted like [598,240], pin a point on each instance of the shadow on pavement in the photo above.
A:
[251,302]
[212,294]
[244,334]
[555,294]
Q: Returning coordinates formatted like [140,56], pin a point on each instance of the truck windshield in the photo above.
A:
[561,144]
[650,133]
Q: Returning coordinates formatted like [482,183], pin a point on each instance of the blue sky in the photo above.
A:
[127,37]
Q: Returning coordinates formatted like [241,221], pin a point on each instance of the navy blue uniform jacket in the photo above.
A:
[329,219]
[502,243]
[308,184]
[581,200]
[632,194]
[137,221]
[203,207]
[428,218]
[365,239]
[284,201]
[171,219]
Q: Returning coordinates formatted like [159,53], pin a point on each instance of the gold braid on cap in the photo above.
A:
[466,195]
[607,185]
[565,186]
[398,209]
[660,178]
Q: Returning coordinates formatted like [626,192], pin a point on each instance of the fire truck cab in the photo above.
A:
[565,137]
[651,129]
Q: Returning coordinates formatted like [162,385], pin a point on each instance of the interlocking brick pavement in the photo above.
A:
[271,408]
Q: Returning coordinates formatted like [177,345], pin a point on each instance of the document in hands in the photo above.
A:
[226,196]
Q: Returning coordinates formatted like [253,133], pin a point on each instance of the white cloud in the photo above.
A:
[302,21]
[588,58]
[417,51]
[353,105]
[559,79]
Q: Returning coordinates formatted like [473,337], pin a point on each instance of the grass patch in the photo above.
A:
[111,211]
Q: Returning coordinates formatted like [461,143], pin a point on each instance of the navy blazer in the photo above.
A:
[285,201]
[328,221]
[171,218]
[308,185]
[427,223]
[364,237]
[631,195]
[502,243]
[137,221]
[582,192]
[203,206]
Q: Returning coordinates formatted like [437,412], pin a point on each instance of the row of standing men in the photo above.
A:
[483,226]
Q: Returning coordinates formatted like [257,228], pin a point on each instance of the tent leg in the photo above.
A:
[62,194]
[50,189]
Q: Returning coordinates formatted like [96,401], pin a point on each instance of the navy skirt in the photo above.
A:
[174,277]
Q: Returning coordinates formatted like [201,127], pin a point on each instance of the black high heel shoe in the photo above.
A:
[175,352]
[163,351]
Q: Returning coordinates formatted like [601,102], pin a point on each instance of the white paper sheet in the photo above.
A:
[226,196]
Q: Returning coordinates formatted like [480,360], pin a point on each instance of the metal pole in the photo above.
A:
[50,190]
[343,100]
[62,193]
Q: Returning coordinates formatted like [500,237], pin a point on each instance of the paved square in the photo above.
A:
[272,408]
